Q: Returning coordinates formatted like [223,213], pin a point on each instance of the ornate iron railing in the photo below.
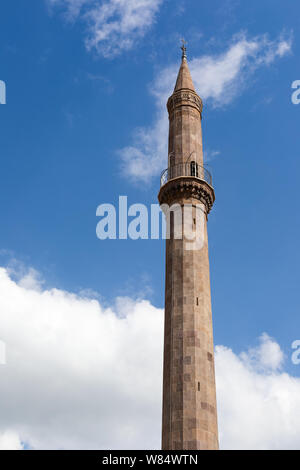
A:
[191,169]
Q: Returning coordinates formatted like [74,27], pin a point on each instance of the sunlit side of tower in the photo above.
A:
[189,391]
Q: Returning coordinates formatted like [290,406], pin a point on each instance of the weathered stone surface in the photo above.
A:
[184,80]
[189,392]
[187,190]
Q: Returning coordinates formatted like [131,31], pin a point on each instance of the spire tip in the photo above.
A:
[183,48]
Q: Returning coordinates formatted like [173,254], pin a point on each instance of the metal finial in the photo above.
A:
[183,48]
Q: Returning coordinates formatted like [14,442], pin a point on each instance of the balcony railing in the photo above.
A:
[191,169]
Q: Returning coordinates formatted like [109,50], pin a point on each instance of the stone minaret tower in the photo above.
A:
[189,392]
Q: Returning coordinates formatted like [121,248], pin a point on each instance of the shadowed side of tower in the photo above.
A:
[189,392]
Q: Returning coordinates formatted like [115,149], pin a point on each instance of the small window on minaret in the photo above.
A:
[198,386]
[172,159]
[194,169]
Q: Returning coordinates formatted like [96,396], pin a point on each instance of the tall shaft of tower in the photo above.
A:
[189,391]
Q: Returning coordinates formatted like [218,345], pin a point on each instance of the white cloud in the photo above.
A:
[259,406]
[210,155]
[112,25]
[218,80]
[71,7]
[268,356]
[148,155]
[80,376]
[10,440]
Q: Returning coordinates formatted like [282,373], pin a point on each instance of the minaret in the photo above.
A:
[189,391]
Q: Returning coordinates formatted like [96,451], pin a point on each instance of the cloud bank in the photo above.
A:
[218,79]
[112,26]
[78,375]
[259,403]
[81,376]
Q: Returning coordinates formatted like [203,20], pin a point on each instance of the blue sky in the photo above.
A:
[79,86]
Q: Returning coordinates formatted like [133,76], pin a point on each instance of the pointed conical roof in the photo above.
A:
[184,79]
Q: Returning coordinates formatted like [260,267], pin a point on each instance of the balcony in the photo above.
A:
[191,169]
